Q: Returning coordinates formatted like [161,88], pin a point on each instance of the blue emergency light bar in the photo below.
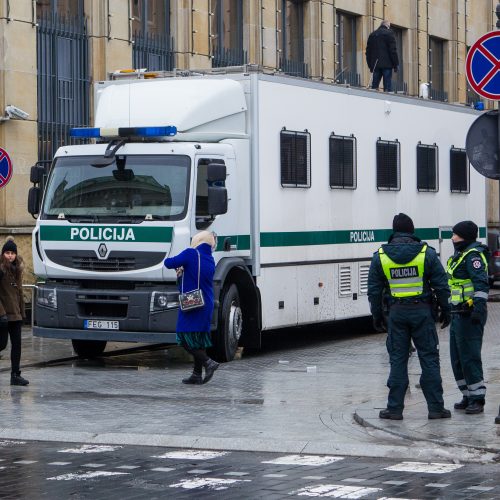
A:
[89,132]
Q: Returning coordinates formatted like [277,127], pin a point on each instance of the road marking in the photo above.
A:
[94,466]
[480,488]
[59,463]
[85,476]
[395,483]
[198,471]
[26,462]
[236,473]
[310,460]
[163,469]
[127,467]
[192,455]
[211,483]
[431,468]
[335,491]
[275,475]
[437,485]
[91,448]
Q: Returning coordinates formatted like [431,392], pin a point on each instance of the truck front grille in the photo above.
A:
[108,265]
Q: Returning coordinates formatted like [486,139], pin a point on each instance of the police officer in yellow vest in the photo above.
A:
[411,271]
[468,279]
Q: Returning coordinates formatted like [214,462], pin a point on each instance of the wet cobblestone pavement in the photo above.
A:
[79,471]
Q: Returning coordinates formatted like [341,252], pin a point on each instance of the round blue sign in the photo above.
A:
[5,168]
[482,65]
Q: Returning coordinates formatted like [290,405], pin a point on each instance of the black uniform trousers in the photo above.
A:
[413,322]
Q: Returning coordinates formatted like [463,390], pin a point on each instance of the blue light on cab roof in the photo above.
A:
[90,132]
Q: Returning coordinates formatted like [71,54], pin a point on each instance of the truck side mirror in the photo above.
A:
[217,200]
[216,172]
[34,199]
[36,174]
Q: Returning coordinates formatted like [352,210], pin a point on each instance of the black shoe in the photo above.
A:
[210,367]
[443,413]
[497,418]
[194,378]
[462,405]
[475,406]
[18,380]
[390,415]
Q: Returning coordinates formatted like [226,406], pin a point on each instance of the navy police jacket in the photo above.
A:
[402,248]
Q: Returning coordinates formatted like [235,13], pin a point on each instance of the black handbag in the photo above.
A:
[194,299]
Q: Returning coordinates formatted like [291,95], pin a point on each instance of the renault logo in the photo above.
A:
[102,250]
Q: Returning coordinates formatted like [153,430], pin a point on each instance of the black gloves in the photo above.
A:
[476,317]
[379,324]
[395,69]
[3,320]
[444,319]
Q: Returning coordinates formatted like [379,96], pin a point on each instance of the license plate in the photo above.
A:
[101,324]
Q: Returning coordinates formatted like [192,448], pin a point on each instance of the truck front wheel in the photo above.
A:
[230,325]
[88,348]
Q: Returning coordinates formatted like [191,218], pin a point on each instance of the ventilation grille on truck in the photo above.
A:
[108,265]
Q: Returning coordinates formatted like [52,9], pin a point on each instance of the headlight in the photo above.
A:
[47,297]
[161,301]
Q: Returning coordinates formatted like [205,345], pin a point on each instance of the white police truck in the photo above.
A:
[299,179]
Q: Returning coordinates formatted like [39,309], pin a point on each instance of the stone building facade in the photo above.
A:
[52,50]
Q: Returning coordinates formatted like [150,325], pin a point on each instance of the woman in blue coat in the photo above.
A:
[193,327]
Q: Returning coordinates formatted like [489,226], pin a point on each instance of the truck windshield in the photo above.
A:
[134,187]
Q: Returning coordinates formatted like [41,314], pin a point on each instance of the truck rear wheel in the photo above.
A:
[88,348]
[230,325]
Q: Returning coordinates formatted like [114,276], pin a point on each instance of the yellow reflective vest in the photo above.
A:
[405,280]
[461,289]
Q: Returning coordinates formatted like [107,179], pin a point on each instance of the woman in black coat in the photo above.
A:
[12,310]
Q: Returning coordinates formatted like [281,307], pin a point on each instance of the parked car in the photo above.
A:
[494,264]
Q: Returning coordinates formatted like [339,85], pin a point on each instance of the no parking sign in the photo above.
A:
[5,168]
[482,65]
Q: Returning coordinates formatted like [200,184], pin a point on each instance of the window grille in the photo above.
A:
[388,165]
[459,171]
[427,168]
[295,149]
[343,162]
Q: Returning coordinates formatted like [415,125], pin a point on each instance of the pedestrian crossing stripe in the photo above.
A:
[310,460]
[431,468]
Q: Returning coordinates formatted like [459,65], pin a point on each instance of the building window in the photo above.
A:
[63,8]
[459,171]
[347,67]
[295,158]
[342,162]
[153,47]
[427,167]
[151,17]
[436,69]
[290,26]
[226,17]
[388,165]
[398,81]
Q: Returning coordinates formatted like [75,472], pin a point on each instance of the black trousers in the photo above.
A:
[13,330]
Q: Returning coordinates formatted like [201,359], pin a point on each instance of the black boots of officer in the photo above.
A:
[16,379]
[471,407]
[194,378]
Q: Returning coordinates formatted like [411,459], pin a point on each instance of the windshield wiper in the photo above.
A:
[83,218]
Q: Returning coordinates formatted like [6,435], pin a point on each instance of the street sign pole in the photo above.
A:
[497,12]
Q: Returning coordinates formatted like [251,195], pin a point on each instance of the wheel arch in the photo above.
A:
[234,270]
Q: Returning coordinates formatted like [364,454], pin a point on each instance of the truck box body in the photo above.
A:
[287,254]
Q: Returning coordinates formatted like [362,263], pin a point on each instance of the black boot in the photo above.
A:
[462,405]
[390,415]
[194,378]
[497,418]
[210,367]
[475,406]
[443,413]
[16,379]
